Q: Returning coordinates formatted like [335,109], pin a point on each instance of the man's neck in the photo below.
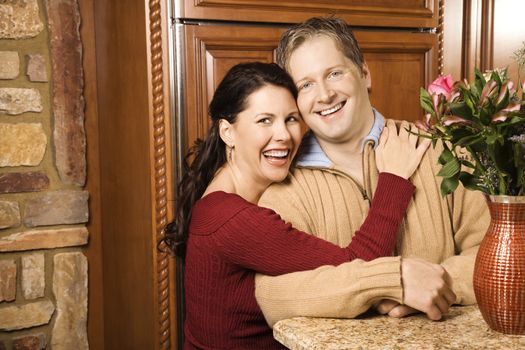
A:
[347,156]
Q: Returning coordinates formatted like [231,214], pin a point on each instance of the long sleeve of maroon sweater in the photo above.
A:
[257,239]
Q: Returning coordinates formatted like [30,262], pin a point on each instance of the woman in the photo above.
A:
[227,238]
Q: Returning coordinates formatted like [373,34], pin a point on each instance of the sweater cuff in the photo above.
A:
[393,192]
[382,277]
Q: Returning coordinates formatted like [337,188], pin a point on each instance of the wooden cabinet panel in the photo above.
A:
[400,63]
[209,53]
[386,13]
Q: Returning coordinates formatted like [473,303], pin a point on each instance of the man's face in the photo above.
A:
[333,92]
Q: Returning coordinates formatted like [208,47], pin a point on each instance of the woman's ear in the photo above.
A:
[226,132]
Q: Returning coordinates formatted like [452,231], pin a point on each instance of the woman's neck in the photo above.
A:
[228,180]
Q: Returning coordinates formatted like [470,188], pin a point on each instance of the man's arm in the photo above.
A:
[345,291]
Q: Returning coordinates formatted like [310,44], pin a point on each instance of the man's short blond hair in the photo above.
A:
[331,27]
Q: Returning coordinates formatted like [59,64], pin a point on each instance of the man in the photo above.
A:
[328,194]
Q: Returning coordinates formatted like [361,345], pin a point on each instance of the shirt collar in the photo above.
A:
[312,155]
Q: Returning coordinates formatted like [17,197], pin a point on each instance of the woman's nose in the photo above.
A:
[281,132]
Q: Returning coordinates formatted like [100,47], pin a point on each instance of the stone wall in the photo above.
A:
[43,208]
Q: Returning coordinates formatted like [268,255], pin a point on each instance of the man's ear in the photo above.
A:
[367,76]
[226,132]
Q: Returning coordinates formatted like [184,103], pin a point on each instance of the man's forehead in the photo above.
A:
[314,59]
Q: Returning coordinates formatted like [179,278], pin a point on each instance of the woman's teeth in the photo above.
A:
[331,110]
[276,153]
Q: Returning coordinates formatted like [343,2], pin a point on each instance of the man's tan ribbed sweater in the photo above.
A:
[330,204]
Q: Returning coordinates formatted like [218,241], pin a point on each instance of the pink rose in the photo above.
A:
[442,85]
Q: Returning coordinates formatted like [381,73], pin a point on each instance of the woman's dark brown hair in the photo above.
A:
[209,155]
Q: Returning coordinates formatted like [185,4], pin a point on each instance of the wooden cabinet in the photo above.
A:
[376,13]
[210,51]
[400,63]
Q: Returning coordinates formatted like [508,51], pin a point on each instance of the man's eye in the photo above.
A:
[305,86]
[335,74]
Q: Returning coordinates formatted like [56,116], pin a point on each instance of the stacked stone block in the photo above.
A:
[43,207]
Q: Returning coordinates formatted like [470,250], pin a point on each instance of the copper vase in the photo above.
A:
[499,272]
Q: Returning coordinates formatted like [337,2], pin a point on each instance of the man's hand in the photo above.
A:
[426,287]
[394,309]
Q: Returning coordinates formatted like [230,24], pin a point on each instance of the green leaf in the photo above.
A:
[493,137]
[485,116]
[519,162]
[469,181]
[461,110]
[495,76]
[469,140]
[446,156]
[449,185]
[450,169]
[467,163]
[519,156]
[502,188]
[479,80]
[426,102]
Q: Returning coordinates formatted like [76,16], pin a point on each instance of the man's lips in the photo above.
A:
[331,110]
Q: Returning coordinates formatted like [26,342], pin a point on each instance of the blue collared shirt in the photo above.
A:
[312,155]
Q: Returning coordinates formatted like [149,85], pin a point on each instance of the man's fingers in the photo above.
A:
[434,313]
[449,296]
[402,311]
[443,305]
[385,306]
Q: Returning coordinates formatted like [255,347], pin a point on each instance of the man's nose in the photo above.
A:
[325,92]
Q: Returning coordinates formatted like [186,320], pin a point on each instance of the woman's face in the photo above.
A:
[266,136]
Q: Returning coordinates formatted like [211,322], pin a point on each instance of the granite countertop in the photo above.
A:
[462,328]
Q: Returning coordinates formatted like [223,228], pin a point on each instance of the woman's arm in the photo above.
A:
[257,238]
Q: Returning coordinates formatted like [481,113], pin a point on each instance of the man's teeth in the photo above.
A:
[331,110]
[276,153]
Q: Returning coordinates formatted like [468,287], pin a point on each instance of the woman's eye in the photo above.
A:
[264,121]
[293,119]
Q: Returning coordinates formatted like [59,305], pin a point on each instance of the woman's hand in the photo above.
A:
[399,153]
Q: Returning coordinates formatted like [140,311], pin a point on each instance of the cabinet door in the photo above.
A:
[209,53]
[377,13]
[400,63]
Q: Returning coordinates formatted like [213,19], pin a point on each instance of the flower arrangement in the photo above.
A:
[487,119]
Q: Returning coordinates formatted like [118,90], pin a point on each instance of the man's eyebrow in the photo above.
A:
[339,66]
